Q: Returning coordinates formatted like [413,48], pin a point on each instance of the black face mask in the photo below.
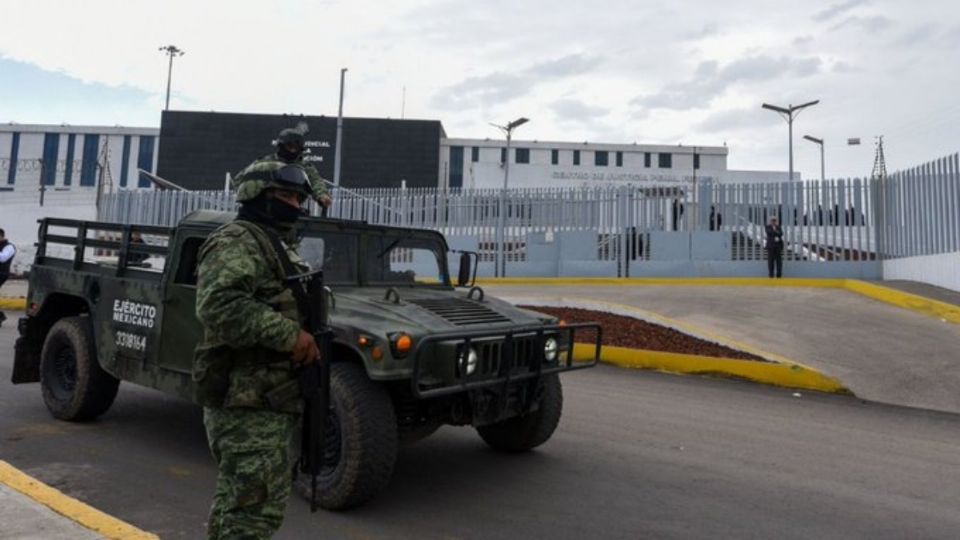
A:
[272,212]
[287,155]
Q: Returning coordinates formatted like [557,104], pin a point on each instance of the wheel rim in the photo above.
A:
[63,373]
[332,445]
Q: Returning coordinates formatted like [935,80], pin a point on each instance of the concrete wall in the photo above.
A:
[19,219]
[940,270]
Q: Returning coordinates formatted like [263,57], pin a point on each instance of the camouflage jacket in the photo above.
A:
[250,320]
[316,181]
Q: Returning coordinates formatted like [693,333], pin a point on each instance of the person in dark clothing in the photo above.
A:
[774,248]
[7,251]
[137,258]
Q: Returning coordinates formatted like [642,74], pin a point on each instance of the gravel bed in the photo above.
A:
[621,331]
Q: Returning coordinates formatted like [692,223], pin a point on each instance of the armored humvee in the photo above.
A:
[411,351]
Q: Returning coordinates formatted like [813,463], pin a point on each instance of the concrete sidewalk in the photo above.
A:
[22,518]
[880,352]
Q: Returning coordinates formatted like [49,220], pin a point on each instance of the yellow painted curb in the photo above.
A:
[89,517]
[913,302]
[786,375]
[747,282]
[13,303]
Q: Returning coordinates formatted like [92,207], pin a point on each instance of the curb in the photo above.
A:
[85,515]
[909,301]
[777,374]
[13,304]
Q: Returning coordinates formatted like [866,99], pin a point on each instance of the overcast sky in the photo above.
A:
[690,72]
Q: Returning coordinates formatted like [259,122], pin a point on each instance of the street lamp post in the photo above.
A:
[501,265]
[336,152]
[171,51]
[818,142]
[789,113]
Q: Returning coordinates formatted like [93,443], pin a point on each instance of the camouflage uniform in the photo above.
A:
[251,324]
[271,161]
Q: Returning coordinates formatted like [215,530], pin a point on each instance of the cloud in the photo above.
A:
[874,23]
[500,87]
[917,35]
[841,66]
[574,110]
[836,9]
[708,30]
[736,120]
[710,80]
[800,41]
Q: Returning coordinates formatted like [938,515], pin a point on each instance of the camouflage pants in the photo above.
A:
[251,448]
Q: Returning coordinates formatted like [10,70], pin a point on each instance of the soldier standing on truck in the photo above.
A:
[291,144]
[252,343]
[7,251]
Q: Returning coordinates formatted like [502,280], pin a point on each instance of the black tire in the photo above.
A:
[74,385]
[529,431]
[360,447]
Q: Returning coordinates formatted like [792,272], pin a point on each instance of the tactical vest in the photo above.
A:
[5,267]
[229,377]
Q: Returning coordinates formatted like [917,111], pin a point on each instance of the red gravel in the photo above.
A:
[620,331]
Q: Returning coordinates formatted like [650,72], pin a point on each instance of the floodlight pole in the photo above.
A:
[171,51]
[336,152]
[818,142]
[501,265]
[789,113]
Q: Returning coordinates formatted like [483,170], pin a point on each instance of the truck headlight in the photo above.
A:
[550,347]
[468,361]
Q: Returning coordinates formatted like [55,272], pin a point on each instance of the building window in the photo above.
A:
[619,159]
[456,167]
[145,160]
[125,161]
[576,157]
[51,146]
[646,159]
[14,150]
[522,155]
[665,161]
[554,157]
[600,159]
[88,167]
[503,156]
[475,154]
[696,161]
[68,168]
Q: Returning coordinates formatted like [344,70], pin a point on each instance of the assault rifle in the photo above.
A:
[313,379]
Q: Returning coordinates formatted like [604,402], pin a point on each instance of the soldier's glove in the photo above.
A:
[305,350]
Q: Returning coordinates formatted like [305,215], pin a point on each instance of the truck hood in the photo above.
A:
[425,310]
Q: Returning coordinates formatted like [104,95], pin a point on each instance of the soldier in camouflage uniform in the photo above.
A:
[251,343]
[290,149]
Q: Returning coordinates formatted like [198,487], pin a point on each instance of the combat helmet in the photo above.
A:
[264,175]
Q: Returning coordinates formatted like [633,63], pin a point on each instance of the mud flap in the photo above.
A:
[26,359]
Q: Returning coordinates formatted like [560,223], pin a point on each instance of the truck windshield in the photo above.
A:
[403,260]
[335,254]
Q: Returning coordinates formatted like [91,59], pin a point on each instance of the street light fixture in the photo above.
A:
[818,142]
[171,51]
[789,113]
[501,266]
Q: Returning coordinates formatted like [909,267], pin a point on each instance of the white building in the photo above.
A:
[477,163]
[57,171]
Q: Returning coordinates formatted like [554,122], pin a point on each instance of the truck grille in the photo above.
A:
[461,312]
[491,354]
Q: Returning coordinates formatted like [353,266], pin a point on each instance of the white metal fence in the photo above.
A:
[850,220]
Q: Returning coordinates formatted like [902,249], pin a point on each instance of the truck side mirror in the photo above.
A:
[463,275]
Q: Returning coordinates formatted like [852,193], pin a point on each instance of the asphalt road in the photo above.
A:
[637,455]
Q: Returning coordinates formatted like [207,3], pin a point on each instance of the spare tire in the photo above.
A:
[74,385]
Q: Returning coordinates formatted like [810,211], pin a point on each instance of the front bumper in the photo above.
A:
[506,357]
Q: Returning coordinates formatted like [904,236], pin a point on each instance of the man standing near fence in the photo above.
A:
[774,248]
[7,251]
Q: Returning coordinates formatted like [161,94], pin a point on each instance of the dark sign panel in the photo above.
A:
[197,149]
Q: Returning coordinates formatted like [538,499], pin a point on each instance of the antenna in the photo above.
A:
[879,162]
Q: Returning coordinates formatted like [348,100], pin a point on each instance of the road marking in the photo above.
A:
[89,517]
[13,304]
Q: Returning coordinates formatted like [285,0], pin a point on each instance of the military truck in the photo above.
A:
[411,350]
